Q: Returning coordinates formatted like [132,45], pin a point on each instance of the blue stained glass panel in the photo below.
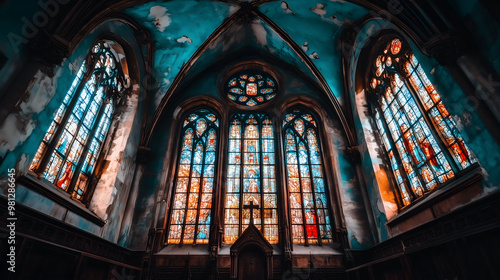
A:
[209,171]
[210,158]
[291,158]
[319,185]
[303,156]
[304,170]
[198,154]
[234,145]
[234,171]
[196,170]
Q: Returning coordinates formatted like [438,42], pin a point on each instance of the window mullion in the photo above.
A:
[188,188]
[86,148]
[312,189]
[202,177]
[242,159]
[306,240]
[395,152]
[261,180]
[60,128]
[437,135]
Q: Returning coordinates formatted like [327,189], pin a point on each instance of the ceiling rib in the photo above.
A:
[324,85]
[284,36]
[184,69]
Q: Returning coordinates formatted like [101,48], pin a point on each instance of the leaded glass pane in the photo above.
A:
[251,88]
[306,188]
[81,124]
[192,200]
[251,174]
[415,154]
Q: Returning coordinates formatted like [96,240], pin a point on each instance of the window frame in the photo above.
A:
[374,97]
[246,114]
[113,88]
[181,133]
[225,109]
[298,110]
[221,178]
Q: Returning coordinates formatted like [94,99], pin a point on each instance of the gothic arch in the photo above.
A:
[380,180]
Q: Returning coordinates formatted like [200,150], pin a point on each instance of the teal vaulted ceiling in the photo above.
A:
[316,27]
[178,29]
[190,36]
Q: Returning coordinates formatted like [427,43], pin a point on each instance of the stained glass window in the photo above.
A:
[422,142]
[68,153]
[192,201]
[251,177]
[309,213]
[251,88]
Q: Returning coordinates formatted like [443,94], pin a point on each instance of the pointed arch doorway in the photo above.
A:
[251,256]
[252,264]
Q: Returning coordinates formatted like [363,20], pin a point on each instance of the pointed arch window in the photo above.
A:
[192,201]
[424,146]
[309,214]
[251,177]
[67,155]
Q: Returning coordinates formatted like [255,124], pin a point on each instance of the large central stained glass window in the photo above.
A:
[192,203]
[251,177]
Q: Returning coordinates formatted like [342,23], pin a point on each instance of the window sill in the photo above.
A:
[451,195]
[59,196]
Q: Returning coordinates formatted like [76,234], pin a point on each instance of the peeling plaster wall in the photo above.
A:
[352,204]
[473,129]
[152,180]
[320,29]
[155,178]
[254,38]
[177,32]
[18,126]
[383,201]
[111,193]
[21,134]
